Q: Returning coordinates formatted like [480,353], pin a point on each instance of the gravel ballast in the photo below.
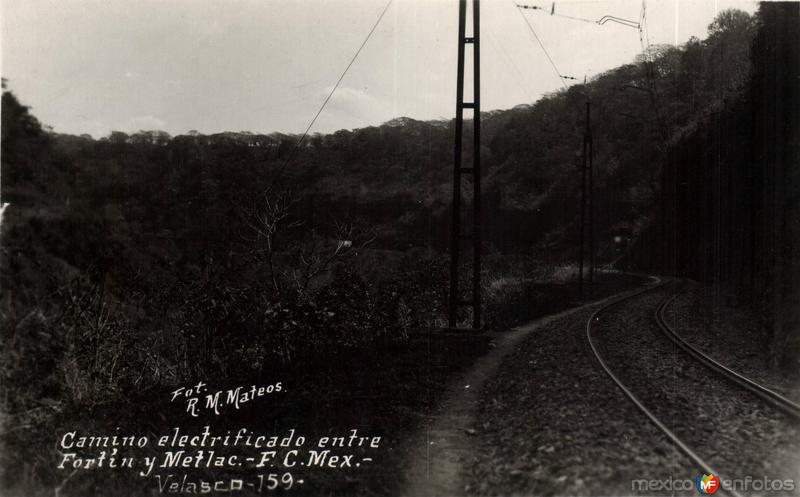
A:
[551,422]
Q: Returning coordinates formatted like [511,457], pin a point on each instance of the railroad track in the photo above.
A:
[770,397]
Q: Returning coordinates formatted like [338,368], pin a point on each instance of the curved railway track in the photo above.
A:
[770,397]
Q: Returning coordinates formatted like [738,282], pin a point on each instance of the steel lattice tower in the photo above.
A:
[458,169]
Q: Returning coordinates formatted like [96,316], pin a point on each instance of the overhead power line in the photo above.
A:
[533,32]
[619,20]
[553,12]
[644,39]
[601,21]
[335,87]
[508,60]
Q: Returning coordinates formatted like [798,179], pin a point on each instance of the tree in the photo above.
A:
[118,137]
[729,39]
[24,145]
[265,219]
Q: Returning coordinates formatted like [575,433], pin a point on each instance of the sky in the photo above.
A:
[93,66]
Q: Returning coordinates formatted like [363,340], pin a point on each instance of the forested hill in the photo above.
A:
[398,175]
[148,204]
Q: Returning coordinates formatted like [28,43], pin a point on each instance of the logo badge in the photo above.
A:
[707,484]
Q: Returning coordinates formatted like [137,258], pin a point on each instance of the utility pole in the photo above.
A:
[456,235]
[591,195]
[583,217]
[587,169]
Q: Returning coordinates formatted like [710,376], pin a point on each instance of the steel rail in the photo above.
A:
[775,399]
[694,457]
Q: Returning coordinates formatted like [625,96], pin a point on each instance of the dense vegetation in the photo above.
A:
[729,194]
[226,258]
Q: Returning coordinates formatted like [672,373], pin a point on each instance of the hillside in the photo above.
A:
[237,255]
[398,175]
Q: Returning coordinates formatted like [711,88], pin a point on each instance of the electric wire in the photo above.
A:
[533,32]
[508,60]
[618,20]
[536,7]
[644,40]
[576,18]
[328,98]
[600,22]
